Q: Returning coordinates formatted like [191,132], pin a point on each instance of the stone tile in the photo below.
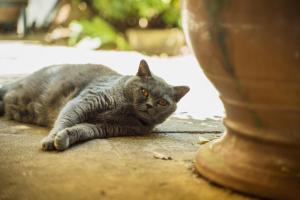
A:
[114,168]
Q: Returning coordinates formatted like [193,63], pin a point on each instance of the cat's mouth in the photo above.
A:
[143,122]
[144,117]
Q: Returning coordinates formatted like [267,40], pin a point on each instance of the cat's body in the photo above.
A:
[51,88]
[82,102]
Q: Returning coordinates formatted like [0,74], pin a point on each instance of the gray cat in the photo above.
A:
[82,102]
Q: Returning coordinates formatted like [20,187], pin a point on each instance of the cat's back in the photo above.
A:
[38,97]
[60,80]
[78,74]
[66,80]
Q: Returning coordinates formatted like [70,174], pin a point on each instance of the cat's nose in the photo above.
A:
[149,105]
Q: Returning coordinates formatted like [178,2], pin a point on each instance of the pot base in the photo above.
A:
[250,166]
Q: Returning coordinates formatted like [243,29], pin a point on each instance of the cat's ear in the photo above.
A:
[180,91]
[144,70]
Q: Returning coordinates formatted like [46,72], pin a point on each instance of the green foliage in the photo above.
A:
[121,10]
[113,15]
[171,15]
[99,28]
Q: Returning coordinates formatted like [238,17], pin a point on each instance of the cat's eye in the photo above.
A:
[145,92]
[163,102]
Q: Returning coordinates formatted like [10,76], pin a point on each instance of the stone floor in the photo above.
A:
[157,166]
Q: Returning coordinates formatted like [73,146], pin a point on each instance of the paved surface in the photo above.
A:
[115,168]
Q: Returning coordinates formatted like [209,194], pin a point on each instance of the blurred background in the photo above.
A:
[152,27]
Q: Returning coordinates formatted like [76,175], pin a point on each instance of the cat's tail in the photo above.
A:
[3,90]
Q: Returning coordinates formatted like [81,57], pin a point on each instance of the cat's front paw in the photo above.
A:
[48,143]
[62,140]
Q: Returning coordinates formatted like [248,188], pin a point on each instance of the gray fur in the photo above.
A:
[82,102]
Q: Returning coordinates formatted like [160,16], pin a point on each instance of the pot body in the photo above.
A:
[168,41]
[10,10]
[250,50]
[9,14]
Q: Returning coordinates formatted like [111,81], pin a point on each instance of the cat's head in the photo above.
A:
[153,99]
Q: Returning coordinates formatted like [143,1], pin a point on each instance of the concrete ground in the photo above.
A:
[158,166]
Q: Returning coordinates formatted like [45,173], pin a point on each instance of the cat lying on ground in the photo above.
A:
[83,102]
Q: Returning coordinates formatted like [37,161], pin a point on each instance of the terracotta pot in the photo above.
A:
[250,50]
[167,41]
[10,10]
[9,14]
